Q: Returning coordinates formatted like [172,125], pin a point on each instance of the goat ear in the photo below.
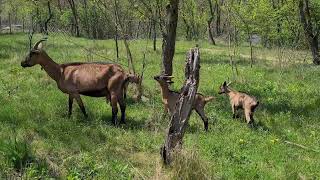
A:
[225,83]
[40,46]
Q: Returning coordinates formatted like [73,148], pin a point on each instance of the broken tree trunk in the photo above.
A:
[179,119]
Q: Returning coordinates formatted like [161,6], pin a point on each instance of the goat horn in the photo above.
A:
[168,76]
[229,83]
[37,44]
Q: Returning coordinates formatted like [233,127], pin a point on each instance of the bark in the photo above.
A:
[312,37]
[180,117]
[211,18]
[169,37]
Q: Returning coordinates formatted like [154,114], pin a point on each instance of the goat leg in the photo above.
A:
[114,106]
[70,105]
[123,111]
[79,101]
[234,116]
[248,116]
[203,117]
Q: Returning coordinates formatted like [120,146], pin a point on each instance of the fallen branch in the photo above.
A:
[301,146]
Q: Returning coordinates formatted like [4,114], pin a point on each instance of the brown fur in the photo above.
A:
[89,79]
[169,99]
[240,100]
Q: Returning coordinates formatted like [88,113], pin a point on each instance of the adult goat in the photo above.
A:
[89,79]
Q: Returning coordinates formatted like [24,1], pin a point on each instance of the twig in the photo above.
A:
[301,146]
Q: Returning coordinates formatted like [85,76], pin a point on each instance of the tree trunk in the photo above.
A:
[180,117]
[48,20]
[169,38]
[218,19]
[0,22]
[75,17]
[117,46]
[188,30]
[10,27]
[85,6]
[154,34]
[211,18]
[312,37]
[59,5]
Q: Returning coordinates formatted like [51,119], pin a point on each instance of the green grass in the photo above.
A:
[34,123]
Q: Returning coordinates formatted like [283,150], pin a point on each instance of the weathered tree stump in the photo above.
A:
[179,119]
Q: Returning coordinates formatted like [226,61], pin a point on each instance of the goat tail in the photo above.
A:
[209,98]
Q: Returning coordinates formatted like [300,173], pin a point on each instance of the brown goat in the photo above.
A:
[89,79]
[169,99]
[240,100]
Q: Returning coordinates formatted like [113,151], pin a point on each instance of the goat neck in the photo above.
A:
[164,90]
[52,68]
[231,93]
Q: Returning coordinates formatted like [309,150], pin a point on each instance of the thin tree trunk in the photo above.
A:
[116,30]
[48,20]
[10,27]
[218,19]
[180,117]
[117,46]
[154,34]
[312,37]
[85,6]
[75,17]
[210,34]
[169,38]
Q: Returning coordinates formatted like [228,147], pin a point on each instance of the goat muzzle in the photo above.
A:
[24,64]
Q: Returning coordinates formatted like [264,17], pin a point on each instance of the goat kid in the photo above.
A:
[240,100]
[169,99]
[89,79]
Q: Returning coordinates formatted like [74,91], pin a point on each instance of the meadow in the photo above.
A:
[38,140]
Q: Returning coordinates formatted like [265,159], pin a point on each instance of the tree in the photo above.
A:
[169,36]
[75,17]
[210,21]
[311,29]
